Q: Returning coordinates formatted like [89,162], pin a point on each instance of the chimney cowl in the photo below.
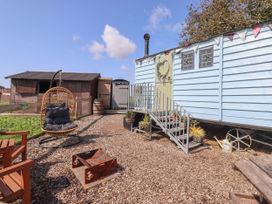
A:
[146,49]
[146,36]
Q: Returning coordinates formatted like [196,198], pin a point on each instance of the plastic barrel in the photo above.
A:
[98,107]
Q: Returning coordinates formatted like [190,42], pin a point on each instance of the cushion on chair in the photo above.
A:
[57,117]
[57,127]
[57,111]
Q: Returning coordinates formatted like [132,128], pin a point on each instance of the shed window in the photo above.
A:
[206,57]
[187,60]
[25,86]
[44,86]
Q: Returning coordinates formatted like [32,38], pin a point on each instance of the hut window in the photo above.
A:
[206,57]
[187,60]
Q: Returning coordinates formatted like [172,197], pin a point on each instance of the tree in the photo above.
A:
[215,17]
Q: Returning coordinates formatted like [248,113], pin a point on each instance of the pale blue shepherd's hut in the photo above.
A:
[227,79]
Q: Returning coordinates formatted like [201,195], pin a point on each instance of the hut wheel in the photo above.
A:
[241,139]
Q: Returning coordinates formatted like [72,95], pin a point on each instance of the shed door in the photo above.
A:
[104,92]
[119,96]
[163,72]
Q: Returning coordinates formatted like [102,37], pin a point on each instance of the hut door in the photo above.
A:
[163,86]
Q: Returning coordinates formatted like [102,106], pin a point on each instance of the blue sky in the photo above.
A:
[85,36]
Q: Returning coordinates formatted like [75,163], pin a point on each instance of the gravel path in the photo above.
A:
[153,171]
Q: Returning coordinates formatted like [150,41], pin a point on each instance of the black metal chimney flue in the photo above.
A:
[146,38]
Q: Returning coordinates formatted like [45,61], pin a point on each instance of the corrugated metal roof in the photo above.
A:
[66,76]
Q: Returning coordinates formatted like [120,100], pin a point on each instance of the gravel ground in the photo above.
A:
[152,171]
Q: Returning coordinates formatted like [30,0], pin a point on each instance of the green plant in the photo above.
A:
[130,114]
[24,106]
[210,18]
[146,118]
[145,123]
[197,131]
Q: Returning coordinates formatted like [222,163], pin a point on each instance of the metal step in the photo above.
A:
[182,137]
[175,129]
[180,124]
[193,144]
[164,117]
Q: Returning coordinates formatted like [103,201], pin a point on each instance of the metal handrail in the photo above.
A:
[146,98]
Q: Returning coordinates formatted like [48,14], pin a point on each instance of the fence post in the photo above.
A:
[91,104]
[128,97]
[76,99]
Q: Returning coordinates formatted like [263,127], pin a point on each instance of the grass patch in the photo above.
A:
[17,123]
[4,103]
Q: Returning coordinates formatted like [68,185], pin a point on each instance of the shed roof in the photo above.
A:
[66,76]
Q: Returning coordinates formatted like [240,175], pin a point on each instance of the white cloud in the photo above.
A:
[96,49]
[176,28]
[75,37]
[115,44]
[158,14]
[124,68]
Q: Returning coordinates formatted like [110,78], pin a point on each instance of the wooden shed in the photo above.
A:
[30,86]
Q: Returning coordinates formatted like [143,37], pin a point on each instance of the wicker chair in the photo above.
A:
[57,95]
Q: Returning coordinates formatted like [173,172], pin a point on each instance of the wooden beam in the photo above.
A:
[263,162]
[257,177]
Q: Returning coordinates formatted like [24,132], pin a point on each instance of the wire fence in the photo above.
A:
[83,107]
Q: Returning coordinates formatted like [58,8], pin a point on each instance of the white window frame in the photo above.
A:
[191,52]
[209,63]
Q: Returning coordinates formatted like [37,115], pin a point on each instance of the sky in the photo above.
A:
[101,36]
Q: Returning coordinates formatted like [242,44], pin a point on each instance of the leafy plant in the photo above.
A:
[130,114]
[146,118]
[145,123]
[196,130]
[174,114]
[24,106]
[211,18]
